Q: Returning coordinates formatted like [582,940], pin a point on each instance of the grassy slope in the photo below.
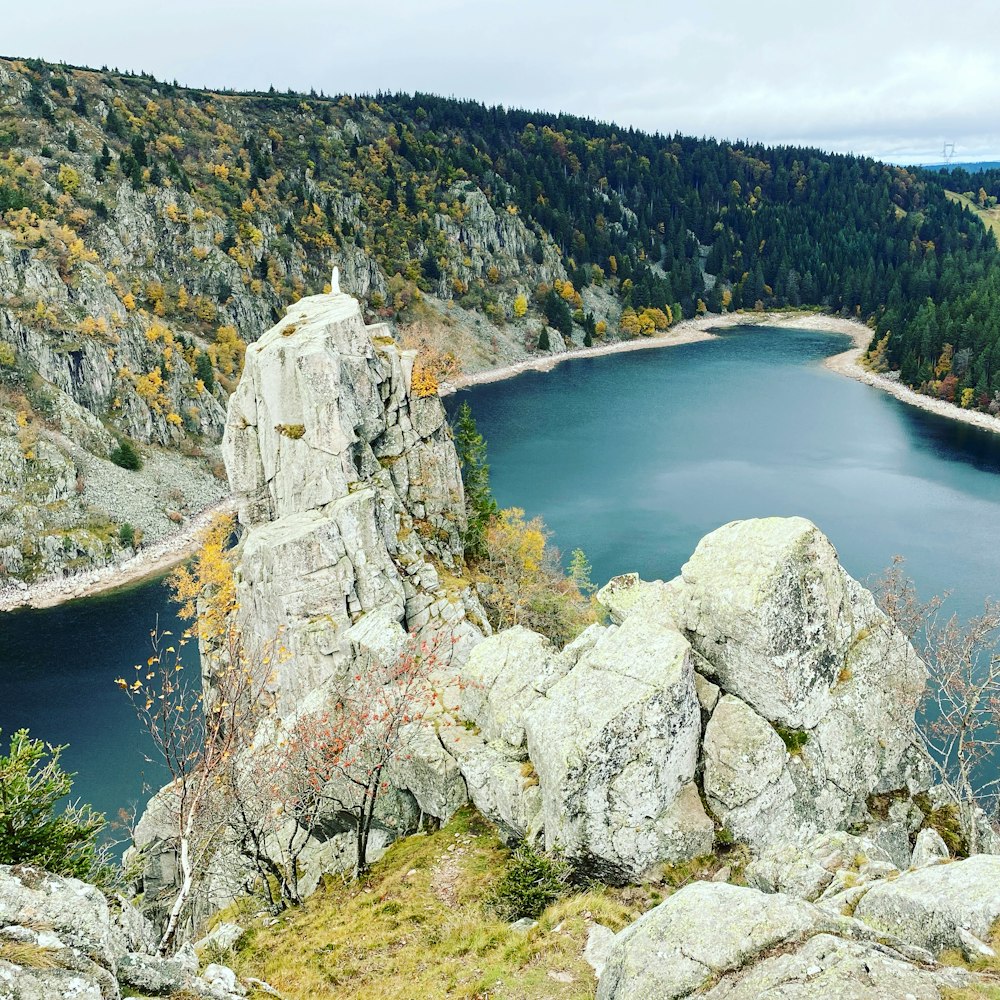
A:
[989,216]
[417,927]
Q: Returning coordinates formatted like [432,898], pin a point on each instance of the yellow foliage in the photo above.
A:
[424,382]
[528,586]
[128,300]
[175,419]
[204,308]
[69,179]
[227,351]
[150,388]
[520,306]
[208,579]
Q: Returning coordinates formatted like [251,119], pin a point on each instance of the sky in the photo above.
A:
[891,79]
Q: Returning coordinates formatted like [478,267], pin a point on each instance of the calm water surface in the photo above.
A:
[57,673]
[633,458]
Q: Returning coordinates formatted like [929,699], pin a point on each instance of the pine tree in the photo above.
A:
[543,340]
[480,507]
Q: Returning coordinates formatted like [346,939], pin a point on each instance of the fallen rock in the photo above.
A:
[932,906]
[614,742]
[929,849]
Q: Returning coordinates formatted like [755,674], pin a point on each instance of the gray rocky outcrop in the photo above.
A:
[348,487]
[723,941]
[940,906]
[762,685]
[62,939]
[352,509]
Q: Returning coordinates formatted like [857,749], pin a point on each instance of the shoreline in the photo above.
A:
[160,557]
[168,552]
[847,363]
[689,331]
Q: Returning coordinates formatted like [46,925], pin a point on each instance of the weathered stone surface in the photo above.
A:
[821,869]
[76,913]
[930,906]
[705,929]
[714,931]
[744,760]
[827,967]
[929,849]
[75,945]
[503,676]
[614,741]
[767,604]
[348,483]
[600,940]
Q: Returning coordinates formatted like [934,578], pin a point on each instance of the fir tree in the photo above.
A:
[480,507]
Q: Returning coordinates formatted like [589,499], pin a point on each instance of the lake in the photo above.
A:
[632,457]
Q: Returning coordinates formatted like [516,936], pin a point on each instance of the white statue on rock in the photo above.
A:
[335,281]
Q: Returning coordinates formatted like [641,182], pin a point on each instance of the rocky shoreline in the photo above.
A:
[847,363]
[150,561]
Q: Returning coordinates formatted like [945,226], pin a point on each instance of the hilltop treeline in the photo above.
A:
[262,190]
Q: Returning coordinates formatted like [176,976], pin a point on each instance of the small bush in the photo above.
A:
[293,431]
[126,535]
[126,455]
[529,884]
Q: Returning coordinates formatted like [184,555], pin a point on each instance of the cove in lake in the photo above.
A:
[632,457]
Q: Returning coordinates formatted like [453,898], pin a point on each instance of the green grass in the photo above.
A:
[990,216]
[989,968]
[417,926]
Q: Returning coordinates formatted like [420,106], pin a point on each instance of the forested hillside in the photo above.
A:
[148,231]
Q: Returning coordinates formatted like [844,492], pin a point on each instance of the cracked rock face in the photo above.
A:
[764,659]
[348,486]
[67,943]
[727,942]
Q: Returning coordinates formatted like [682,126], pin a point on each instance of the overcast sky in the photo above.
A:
[888,78]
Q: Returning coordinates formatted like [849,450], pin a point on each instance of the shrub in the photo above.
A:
[126,455]
[794,739]
[126,535]
[31,831]
[293,431]
[530,882]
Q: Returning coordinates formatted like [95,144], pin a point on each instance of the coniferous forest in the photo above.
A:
[276,184]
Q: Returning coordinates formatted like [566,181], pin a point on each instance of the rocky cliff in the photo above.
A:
[759,697]
[349,490]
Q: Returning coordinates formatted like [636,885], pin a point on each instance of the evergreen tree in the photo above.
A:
[480,507]
[543,340]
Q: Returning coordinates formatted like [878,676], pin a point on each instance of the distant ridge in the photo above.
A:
[972,168]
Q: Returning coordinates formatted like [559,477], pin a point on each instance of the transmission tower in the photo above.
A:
[948,152]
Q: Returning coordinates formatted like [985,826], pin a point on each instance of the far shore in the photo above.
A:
[848,363]
[690,331]
[697,330]
[154,560]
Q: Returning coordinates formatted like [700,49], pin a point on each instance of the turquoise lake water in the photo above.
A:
[632,457]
